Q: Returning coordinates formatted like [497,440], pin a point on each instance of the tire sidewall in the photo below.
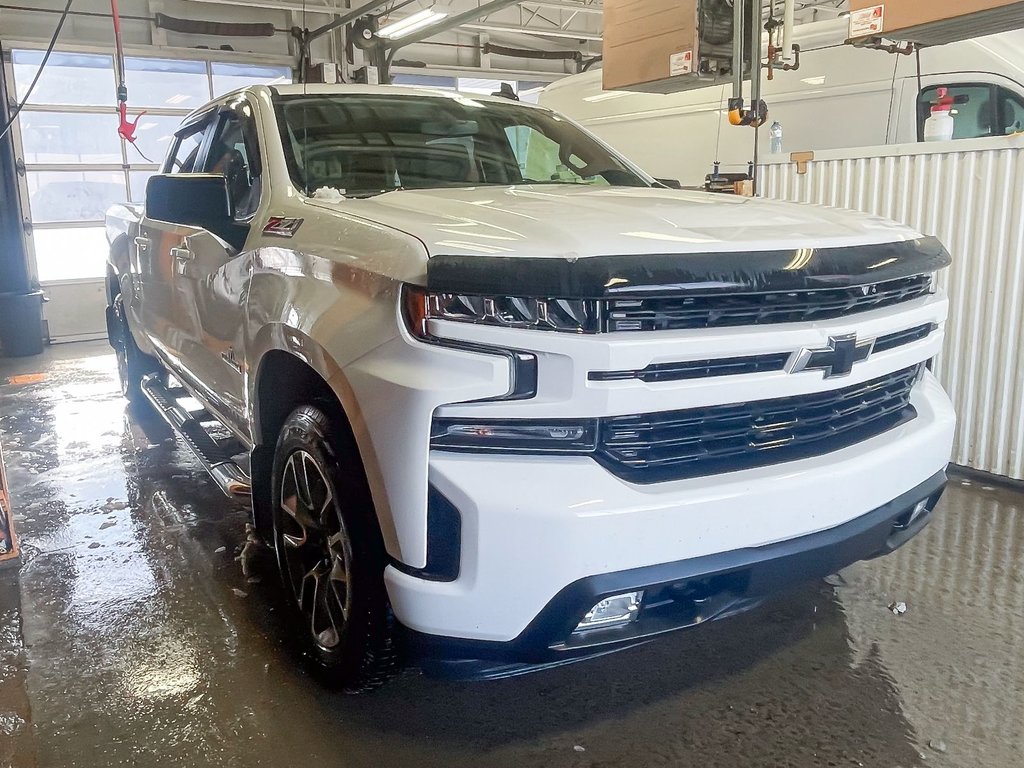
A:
[309,429]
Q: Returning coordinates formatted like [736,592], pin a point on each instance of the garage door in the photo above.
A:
[76,165]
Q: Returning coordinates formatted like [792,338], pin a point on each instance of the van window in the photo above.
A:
[990,110]
[1012,111]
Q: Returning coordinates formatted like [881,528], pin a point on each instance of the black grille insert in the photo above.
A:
[732,366]
[697,369]
[703,441]
[725,310]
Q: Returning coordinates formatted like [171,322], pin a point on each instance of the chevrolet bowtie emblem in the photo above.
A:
[837,359]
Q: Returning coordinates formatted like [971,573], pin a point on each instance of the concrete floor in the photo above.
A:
[131,637]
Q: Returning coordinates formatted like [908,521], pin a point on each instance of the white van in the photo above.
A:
[840,97]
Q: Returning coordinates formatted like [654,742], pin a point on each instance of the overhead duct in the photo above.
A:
[213,28]
[529,53]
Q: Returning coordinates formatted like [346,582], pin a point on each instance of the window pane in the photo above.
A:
[433,81]
[73,195]
[69,78]
[484,87]
[1013,112]
[166,83]
[57,137]
[229,157]
[971,120]
[68,254]
[228,77]
[154,137]
[138,180]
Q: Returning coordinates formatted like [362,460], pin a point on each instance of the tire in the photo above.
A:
[330,552]
[132,363]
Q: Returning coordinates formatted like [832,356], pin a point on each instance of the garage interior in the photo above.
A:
[139,619]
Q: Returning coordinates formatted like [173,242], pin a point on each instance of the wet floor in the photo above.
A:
[132,637]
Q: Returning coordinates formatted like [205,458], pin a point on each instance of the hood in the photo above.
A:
[573,222]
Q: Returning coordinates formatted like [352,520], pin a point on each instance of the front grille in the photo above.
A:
[704,441]
[697,369]
[734,366]
[726,310]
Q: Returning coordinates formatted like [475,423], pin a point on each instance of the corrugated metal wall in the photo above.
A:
[973,200]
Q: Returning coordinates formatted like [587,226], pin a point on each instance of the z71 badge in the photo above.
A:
[281,226]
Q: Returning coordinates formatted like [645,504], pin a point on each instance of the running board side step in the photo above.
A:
[215,455]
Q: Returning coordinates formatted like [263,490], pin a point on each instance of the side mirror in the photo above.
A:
[670,183]
[193,199]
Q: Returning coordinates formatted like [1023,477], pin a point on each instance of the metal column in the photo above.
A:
[21,327]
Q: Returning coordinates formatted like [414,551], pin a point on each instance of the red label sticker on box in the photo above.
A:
[867,21]
[680,63]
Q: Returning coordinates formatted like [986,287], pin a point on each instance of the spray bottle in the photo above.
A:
[939,127]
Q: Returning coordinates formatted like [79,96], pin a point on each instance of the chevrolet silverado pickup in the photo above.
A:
[490,388]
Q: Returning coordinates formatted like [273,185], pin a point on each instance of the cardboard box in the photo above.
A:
[648,40]
[933,22]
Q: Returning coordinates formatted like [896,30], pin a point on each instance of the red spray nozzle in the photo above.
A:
[127,127]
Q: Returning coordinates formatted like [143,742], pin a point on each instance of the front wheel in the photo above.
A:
[330,551]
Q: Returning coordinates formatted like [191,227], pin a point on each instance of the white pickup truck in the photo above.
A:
[491,386]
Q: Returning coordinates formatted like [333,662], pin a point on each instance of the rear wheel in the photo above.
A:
[132,363]
[330,551]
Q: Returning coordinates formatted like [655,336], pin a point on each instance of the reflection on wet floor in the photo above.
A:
[132,637]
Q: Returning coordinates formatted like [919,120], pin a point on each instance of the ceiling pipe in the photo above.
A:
[562,34]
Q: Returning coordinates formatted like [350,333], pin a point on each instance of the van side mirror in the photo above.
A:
[193,199]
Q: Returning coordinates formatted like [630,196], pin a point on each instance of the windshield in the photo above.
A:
[365,144]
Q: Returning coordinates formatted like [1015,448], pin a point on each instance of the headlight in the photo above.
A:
[515,436]
[539,314]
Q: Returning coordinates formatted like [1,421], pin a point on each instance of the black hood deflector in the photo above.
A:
[673,274]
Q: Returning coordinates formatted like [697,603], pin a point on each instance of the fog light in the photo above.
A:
[614,610]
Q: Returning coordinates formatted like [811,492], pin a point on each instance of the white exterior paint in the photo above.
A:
[330,296]
[970,194]
[533,525]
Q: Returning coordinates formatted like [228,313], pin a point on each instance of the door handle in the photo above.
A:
[182,254]
[142,243]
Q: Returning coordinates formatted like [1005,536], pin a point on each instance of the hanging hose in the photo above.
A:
[126,128]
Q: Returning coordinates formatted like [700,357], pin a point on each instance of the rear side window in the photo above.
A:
[985,110]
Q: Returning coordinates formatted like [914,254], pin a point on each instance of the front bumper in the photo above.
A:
[534,527]
[687,592]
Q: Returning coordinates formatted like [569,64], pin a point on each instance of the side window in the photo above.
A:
[1011,112]
[972,119]
[184,151]
[229,155]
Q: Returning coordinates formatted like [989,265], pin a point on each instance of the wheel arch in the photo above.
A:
[117,267]
[296,371]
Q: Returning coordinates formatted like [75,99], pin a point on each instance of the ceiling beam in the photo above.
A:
[569,6]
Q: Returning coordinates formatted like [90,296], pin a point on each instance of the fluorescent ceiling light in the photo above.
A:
[411,24]
[177,98]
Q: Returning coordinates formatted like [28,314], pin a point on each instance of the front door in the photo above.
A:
[212,274]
